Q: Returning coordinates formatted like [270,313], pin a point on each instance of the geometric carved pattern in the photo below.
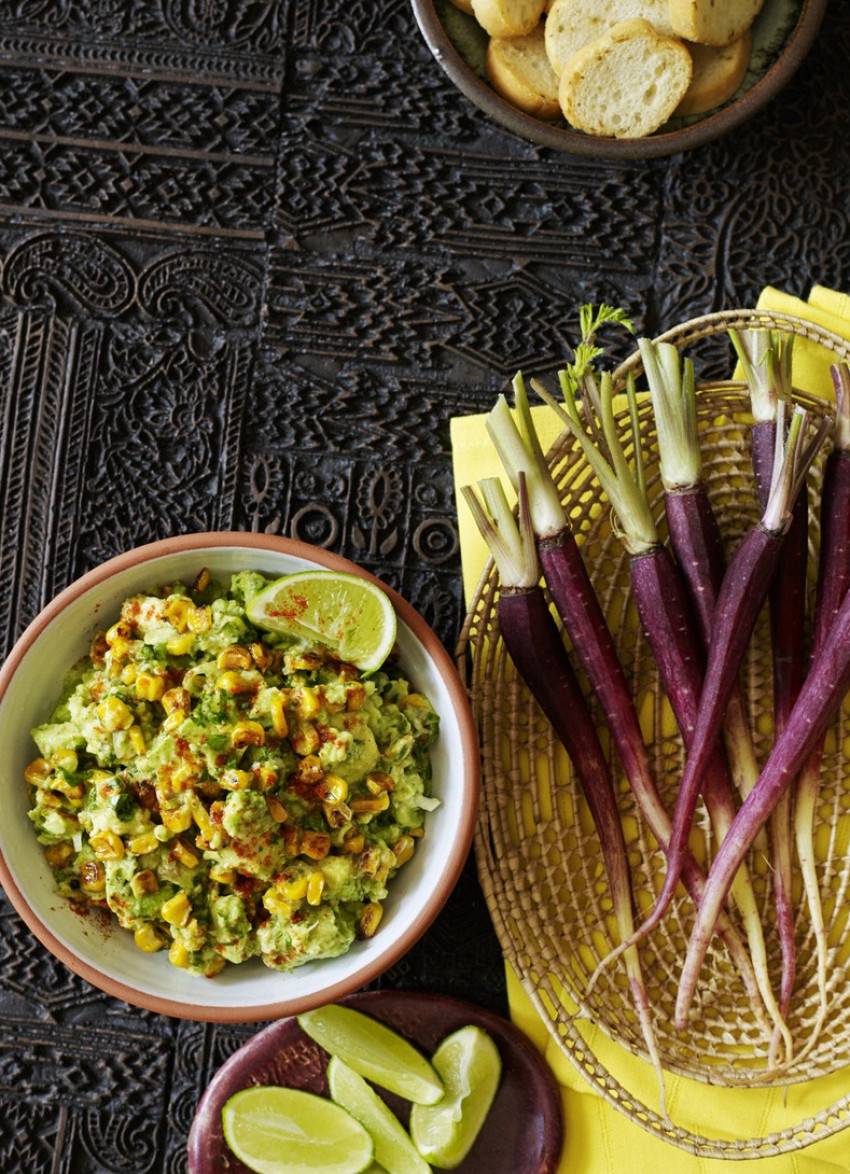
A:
[253,258]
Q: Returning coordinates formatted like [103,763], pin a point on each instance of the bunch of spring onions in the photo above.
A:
[698,613]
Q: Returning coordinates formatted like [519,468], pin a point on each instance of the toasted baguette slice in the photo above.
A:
[572,24]
[508,18]
[626,83]
[713,22]
[519,70]
[718,71]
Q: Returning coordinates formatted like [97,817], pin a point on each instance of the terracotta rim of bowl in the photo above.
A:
[435,900]
[572,142]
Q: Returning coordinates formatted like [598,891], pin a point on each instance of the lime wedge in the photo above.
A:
[393,1148]
[276,1130]
[349,616]
[470,1066]
[373,1050]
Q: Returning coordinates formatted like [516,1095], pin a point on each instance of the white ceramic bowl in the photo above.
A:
[104,954]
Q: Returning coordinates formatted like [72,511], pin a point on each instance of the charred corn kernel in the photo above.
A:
[129,674]
[337,815]
[379,781]
[370,806]
[176,698]
[369,919]
[202,580]
[265,776]
[58,855]
[144,882]
[278,714]
[107,846]
[291,839]
[176,819]
[316,845]
[177,611]
[403,849]
[315,887]
[119,634]
[137,739]
[174,720]
[261,656]
[236,780]
[305,740]
[214,967]
[305,662]
[233,683]
[372,863]
[144,843]
[222,876]
[184,777]
[37,772]
[199,620]
[180,645]
[92,877]
[310,770]
[114,714]
[150,686]
[353,845]
[176,910]
[148,939]
[304,702]
[178,955]
[417,833]
[234,657]
[293,890]
[248,733]
[51,798]
[355,697]
[332,789]
[65,759]
[276,903]
[414,700]
[186,855]
[276,809]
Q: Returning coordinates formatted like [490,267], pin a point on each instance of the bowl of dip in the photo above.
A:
[208,821]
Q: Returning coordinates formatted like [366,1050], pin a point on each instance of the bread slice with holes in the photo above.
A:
[519,70]
[508,18]
[713,22]
[718,72]
[626,83]
[572,24]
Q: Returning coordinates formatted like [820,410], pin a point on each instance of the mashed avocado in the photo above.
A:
[225,792]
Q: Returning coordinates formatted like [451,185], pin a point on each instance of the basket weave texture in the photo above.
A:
[539,858]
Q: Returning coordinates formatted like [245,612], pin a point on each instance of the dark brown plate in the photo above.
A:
[782,36]
[523,1133]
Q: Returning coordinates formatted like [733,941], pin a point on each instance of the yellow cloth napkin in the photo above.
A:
[599,1139]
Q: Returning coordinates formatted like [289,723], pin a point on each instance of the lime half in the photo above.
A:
[470,1066]
[375,1051]
[276,1130]
[393,1148]
[351,617]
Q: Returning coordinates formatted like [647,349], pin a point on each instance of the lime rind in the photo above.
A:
[375,1051]
[350,616]
[277,1130]
[394,1149]
[470,1067]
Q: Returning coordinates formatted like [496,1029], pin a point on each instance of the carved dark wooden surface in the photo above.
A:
[253,257]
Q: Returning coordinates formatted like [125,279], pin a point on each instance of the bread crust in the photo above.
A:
[508,18]
[713,22]
[718,72]
[572,24]
[520,71]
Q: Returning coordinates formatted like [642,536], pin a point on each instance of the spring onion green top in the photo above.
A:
[225,792]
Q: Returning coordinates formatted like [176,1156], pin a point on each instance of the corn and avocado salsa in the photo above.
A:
[224,792]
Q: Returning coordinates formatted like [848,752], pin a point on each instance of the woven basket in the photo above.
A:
[538,855]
